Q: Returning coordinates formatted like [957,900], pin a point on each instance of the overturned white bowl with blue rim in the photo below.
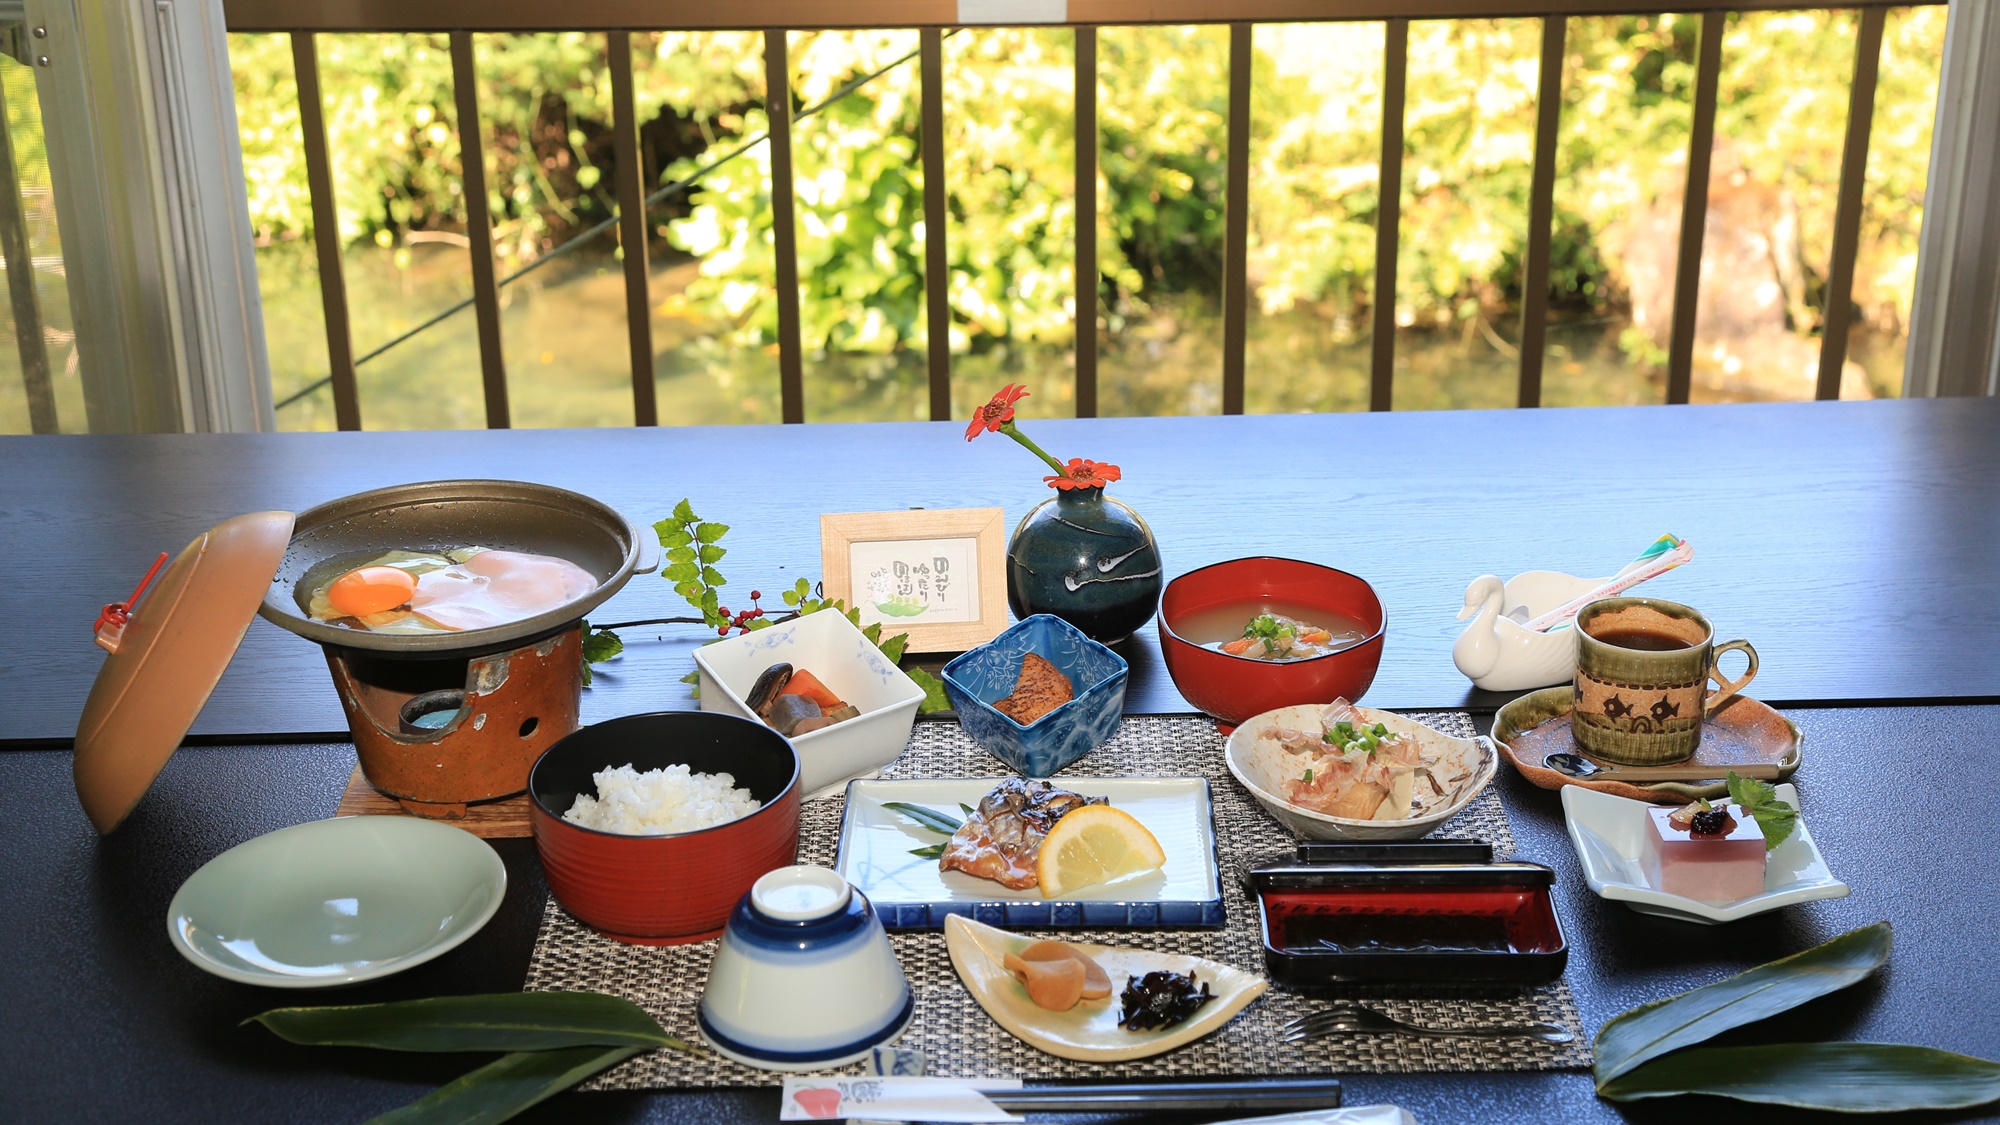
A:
[980,678]
[804,976]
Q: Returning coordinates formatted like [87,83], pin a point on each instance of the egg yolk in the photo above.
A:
[370,589]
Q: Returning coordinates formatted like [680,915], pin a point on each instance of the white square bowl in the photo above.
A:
[829,646]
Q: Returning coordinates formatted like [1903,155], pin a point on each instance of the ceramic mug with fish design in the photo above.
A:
[1643,668]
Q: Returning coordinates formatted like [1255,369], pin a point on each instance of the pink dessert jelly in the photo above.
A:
[1717,868]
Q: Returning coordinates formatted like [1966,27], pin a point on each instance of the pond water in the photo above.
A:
[563,329]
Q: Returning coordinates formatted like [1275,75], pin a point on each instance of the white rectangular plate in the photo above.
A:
[911,893]
[1607,833]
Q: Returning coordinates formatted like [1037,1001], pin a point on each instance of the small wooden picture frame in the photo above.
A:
[938,575]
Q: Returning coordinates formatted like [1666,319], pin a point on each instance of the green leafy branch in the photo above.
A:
[693,547]
[599,645]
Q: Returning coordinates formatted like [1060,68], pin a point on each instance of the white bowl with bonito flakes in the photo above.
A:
[1340,771]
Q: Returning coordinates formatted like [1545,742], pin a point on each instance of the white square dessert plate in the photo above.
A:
[1608,831]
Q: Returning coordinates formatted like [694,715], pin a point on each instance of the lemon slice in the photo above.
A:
[1095,844]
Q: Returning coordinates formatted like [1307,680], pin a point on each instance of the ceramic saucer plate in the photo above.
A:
[1089,1032]
[1607,832]
[1744,732]
[333,902]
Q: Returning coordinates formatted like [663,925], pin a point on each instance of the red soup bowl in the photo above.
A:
[678,887]
[1233,688]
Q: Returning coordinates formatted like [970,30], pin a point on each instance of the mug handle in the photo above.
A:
[1726,688]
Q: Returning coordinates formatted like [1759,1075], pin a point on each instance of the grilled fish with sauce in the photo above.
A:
[1002,839]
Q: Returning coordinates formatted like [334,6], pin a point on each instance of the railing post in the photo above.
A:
[479,230]
[36,381]
[1541,211]
[1236,221]
[1839,297]
[1694,210]
[937,266]
[784,229]
[1087,282]
[1389,212]
[326,233]
[632,227]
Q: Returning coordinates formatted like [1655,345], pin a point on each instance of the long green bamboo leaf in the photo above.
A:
[1651,1030]
[504,1021]
[1848,1077]
[506,1086]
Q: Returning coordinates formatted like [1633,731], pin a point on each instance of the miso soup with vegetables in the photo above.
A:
[1269,630]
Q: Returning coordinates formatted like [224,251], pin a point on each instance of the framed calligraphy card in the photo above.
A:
[939,576]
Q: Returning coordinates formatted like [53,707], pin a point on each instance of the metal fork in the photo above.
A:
[1345,1019]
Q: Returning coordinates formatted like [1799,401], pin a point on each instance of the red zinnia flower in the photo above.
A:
[997,413]
[1084,474]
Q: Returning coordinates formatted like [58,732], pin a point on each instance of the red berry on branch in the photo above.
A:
[723,631]
[755,594]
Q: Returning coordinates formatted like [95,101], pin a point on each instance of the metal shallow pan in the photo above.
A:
[514,515]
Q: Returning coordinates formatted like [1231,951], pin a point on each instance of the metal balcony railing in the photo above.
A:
[933,18]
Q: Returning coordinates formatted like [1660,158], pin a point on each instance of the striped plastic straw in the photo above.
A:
[1664,554]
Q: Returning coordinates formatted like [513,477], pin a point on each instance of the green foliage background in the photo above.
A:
[1009,158]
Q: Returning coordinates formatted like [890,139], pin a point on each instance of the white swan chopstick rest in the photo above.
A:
[1503,650]
[1496,652]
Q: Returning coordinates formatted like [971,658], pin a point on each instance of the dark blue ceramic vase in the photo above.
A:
[1087,559]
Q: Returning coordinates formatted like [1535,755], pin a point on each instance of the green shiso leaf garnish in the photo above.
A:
[1760,799]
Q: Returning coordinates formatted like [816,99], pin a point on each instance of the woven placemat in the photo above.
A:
[959,1039]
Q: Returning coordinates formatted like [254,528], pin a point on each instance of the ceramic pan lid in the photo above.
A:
[165,663]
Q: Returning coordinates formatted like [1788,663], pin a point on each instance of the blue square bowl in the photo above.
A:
[988,673]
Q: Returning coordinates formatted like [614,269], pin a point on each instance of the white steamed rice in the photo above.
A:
[660,801]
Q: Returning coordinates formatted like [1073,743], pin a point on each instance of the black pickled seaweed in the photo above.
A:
[1712,822]
[1160,999]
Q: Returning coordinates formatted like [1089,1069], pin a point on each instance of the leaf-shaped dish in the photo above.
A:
[1089,1032]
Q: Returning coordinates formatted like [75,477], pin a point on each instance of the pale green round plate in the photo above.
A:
[334,902]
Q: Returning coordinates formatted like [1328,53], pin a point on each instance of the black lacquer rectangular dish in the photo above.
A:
[1426,923]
